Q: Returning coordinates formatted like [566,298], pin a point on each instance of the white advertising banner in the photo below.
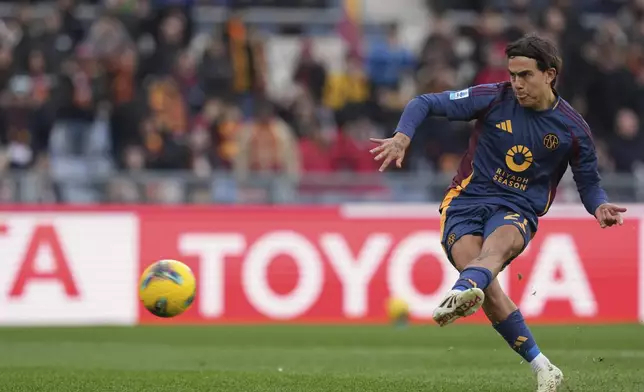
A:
[68,268]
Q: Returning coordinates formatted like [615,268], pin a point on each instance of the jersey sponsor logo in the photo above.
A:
[459,94]
[511,180]
[519,158]
[451,239]
[505,126]
[551,141]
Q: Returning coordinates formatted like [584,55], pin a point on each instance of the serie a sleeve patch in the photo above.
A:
[459,94]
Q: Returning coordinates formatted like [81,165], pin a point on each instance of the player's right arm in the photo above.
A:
[461,105]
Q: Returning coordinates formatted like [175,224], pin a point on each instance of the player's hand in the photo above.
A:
[609,215]
[390,150]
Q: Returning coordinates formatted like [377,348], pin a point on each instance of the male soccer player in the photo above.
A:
[525,138]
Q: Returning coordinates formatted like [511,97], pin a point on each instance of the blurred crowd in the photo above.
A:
[141,87]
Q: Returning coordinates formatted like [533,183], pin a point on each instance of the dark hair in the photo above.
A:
[542,50]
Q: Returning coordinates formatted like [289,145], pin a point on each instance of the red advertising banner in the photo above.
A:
[316,265]
[300,264]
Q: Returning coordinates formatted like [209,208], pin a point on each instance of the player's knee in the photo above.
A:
[502,245]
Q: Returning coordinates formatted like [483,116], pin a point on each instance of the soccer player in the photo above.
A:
[526,135]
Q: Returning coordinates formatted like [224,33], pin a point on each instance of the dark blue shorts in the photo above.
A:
[480,220]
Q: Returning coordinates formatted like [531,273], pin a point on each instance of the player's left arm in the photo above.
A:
[586,174]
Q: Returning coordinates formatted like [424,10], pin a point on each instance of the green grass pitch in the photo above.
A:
[311,358]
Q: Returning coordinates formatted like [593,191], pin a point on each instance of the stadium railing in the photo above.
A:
[224,188]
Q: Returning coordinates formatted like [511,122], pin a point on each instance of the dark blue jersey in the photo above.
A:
[516,156]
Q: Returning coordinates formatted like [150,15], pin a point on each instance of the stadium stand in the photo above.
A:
[145,101]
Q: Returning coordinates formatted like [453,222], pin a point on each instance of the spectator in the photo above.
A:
[310,73]
[163,148]
[81,92]
[627,144]
[438,49]
[189,82]
[246,52]
[389,61]
[27,115]
[128,99]
[71,29]
[611,86]
[495,70]
[350,152]
[349,87]
[107,37]
[212,141]
[171,41]
[266,145]
[315,149]
[302,112]
[216,70]
[226,137]
[167,106]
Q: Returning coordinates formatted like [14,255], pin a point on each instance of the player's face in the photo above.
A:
[529,83]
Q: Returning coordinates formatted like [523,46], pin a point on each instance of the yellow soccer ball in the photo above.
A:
[398,311]
[167,288]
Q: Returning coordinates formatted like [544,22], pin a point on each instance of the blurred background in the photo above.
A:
[271,102]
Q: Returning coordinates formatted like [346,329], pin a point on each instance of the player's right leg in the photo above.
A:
[507,239]
[463,225]
[497,305]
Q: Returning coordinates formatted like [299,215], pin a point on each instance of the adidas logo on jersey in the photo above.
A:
[505,125]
